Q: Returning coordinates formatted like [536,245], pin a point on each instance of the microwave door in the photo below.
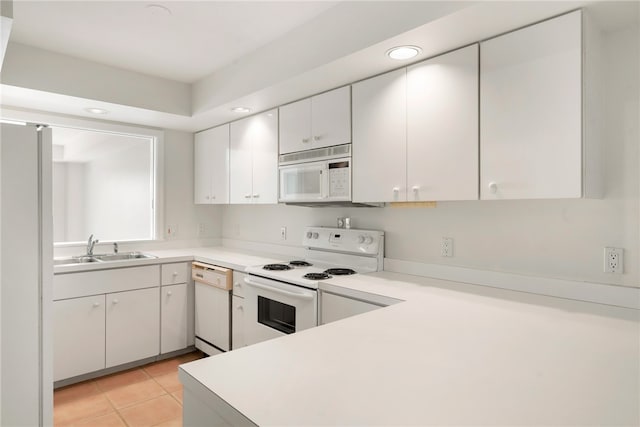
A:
[302,183]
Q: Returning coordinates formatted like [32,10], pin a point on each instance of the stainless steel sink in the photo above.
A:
[102,258]
[124,256]
[74,260]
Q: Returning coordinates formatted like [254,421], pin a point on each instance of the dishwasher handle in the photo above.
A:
[266,287]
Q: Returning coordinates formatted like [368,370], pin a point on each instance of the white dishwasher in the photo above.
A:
[213,286]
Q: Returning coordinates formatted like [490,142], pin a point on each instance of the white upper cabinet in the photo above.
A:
[380,138]
[295,126]
[211,166]
[415,132]
[254,159]
[531,112]
[442,127]
[320,121]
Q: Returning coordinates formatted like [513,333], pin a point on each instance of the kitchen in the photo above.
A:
[545,246]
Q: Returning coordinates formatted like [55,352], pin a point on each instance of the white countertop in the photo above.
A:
[451,354]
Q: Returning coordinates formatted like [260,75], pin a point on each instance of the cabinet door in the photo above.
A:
[237,323]
[336,307]
[211,166]
[133,326]
[295,126]
[530,112]
[380,138]
[78,336]
[442,126]
[173,320]
[219,164]
[331,118]
[265,157]
[212,315]
[240,163]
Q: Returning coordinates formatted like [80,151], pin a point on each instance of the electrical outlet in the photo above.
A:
[172,231]
[201,229]
[614,260]
[283,233]
[446,246]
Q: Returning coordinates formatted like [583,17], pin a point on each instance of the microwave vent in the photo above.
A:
[316,154]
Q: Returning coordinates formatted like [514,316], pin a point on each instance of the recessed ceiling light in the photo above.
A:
[403,52]
[158,9]
[240,109]
[96,110]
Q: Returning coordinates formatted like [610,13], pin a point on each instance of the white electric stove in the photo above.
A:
[281,299]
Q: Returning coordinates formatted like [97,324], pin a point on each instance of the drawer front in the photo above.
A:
[73,285]
[238,283]
[175,273]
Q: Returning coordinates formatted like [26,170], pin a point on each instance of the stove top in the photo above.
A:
[329,252]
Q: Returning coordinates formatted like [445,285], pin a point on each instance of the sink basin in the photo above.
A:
[102,258]
[74,260]
[123,256]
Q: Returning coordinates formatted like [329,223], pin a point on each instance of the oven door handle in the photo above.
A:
[298,295]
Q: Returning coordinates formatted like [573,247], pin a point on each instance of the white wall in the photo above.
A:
[549,238]
[180,210]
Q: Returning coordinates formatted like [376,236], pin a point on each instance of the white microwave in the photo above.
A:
[320,181]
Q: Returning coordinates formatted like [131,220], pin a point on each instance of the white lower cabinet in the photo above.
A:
[78,336]
[127,317]
[237,323]
[335,307]
[173,318]
[132,326]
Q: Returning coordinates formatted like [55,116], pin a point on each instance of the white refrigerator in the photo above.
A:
[26,272]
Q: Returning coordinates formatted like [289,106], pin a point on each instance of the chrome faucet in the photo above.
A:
[90,244]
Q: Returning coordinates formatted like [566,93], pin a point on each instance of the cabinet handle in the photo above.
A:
[493,187]
[317,138]
[396,189]
[96,304]
[247,196]
[415,188]
[115,301]
[305,140]
[207,197]
[213,197]
[175,273]
[169,293]
[255,196]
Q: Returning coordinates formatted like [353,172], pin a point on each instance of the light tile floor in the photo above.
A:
[147,396]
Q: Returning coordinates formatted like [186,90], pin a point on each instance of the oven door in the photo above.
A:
[305,182]
[274,309]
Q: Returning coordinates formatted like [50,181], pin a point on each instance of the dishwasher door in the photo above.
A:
[212,307]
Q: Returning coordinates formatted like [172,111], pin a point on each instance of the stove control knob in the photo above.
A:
[368,240]
[361,239]
[309,234]
[315,235]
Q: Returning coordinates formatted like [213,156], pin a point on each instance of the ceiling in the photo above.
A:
[190,41]
[217,55]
